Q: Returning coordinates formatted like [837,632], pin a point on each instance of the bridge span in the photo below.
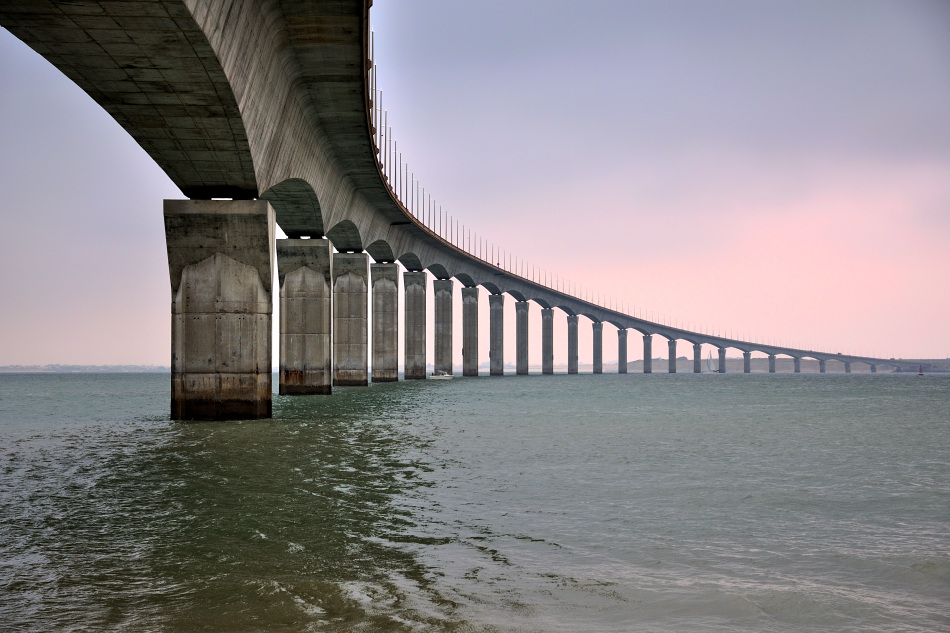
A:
[265,113]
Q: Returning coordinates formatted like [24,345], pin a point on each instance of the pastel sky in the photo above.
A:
[776,170]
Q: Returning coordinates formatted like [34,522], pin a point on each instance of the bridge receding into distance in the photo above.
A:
[267,112]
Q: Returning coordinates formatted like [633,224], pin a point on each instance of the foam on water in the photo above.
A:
[596,503]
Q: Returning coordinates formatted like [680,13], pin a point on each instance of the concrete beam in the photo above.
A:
[350,319]
[647,353]
[305,279]
[521,338]
[496,335]
[547,340]
[220,263]
[697,358]
[722,360]
[671,345]
[847,368]
[771,363]
[798,364]
[746,362]
[442,289]
[470,331]
[621,351]
[822,366]
[385,280]
[572,343]
[414,285]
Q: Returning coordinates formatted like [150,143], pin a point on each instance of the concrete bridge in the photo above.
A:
[263,112]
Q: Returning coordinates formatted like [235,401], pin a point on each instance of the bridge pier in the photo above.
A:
[722,360]
[470,331]
[847,368]
[697,358]
[220,264]
[621,351]
[647,353]
[521,337]
[798,364]
[671,344]
[442,289]
[598,329]
[305,278]
[771,363]
[385,280]
[873,369]
[350,285]
[547,340]
[496,335]
[822,366]
[414,287]
[747,362]
[572,343]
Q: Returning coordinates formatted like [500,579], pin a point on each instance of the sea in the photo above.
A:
[537,503]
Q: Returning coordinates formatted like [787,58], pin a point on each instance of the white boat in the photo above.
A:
[709,365]
[440,375]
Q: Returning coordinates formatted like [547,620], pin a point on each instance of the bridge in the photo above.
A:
[266,113]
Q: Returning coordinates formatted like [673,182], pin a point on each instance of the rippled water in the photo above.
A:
[556,503]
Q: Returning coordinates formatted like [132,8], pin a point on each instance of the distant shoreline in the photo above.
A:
[84,369]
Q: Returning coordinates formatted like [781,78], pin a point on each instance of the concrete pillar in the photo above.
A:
[722,360]
[771,363]
[572,343]
[385,280]
[873,369]
[647,353]
[304,274]
[598,329]
[350,323]
[847,368]
[443,290]
[521,337]
[470,331]
[496,335]
[220,263]
[621,351]
[671,344]
[414,285]
[822,365]
[547,340]
[747,362]
[697,358]
[798,365]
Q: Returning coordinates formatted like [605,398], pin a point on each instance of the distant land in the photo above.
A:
[84,369]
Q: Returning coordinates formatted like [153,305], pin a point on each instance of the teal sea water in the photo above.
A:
[555,503]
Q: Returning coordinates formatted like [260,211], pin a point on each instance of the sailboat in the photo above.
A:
[709,365]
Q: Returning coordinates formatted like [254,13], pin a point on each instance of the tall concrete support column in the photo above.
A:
[521,337]
[747,362]
[722,360]
[873,369]
[220,263]
[443,290]
[822,366]
[847,368]
[470,331]
[572,343]
[598,328]
[798,365]
[547,340]
[621,351]
[385,279]
[350,323]
[647,353]
[697,358]
[414,285]
[671,344]
[496,335]
[771,363]
[305,278]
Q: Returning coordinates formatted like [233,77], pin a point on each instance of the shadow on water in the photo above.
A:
[285,524]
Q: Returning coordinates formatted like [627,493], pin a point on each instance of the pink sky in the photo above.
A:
[782,174]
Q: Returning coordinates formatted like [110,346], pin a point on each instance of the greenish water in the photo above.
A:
[556,503]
